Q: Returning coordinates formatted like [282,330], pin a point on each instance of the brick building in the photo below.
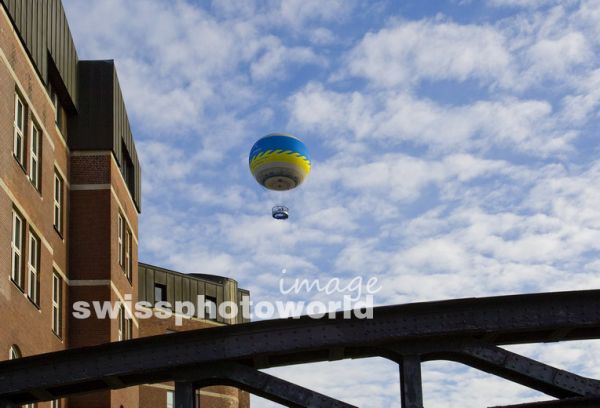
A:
[70,195]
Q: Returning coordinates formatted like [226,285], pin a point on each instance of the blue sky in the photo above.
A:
[454,150]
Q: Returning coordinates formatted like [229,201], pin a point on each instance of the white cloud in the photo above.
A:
[410,52]
[190,68]
[522,125]
[554,58]
[270,65]
[521,3]
[582,105]
[452,158]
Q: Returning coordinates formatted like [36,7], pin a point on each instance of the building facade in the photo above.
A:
[159,284]
[70,196]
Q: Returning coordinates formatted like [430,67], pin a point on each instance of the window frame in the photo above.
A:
[57,318]
[170,399]
[128,327]
[16,275]
[58,202]
[14,352]
[121,325]
[120,238]
[19,134]
[128,254]
[34,156]
[33,270]
[163,289]
[210,303]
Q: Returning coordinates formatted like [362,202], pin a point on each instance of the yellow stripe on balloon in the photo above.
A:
[273,157]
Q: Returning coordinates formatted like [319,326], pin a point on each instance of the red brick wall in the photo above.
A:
[99,196]
[24,324]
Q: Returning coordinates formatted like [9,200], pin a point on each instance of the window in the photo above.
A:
[121,324]
[58,203]
[127,169]
[57,304]
[55,404]
[60,116]
[210,305]
[19,140]
[17,250]
[160,293]
[34,157]
[129,328]
[14,352]
[128,257]
[56,104]
[120,233]
[34,268]
[170,399]
[125,329]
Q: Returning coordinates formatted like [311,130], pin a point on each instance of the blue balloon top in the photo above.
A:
[278,141]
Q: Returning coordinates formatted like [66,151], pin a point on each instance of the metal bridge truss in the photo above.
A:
[468,331]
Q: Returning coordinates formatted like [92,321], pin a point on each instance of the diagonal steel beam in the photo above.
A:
[523,370]
[586,402]
[500,362]
[258,383]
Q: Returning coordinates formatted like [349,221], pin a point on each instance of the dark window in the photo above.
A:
[127,169]
[60,115]
[57,299]
[58,202]
[210,304]
[160,293]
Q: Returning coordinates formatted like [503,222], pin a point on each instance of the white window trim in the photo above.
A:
[170,399]
[120,231]
[34,267]
[128,263]
[34,154]
[121,324]
[58,201]
[14,353]
[19,131]
[56,304]
[16,272]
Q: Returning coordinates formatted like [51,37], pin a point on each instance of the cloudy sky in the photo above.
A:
[454,148]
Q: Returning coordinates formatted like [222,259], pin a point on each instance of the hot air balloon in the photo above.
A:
[279,162]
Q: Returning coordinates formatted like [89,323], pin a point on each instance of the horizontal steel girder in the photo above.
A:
[506,319]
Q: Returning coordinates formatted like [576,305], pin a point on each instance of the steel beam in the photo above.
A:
[411,388]
[500,362]
[258,383]
[185,395]
[511,319]
[523,370]
[564,403]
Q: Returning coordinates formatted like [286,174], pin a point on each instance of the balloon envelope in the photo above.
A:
[279,162]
